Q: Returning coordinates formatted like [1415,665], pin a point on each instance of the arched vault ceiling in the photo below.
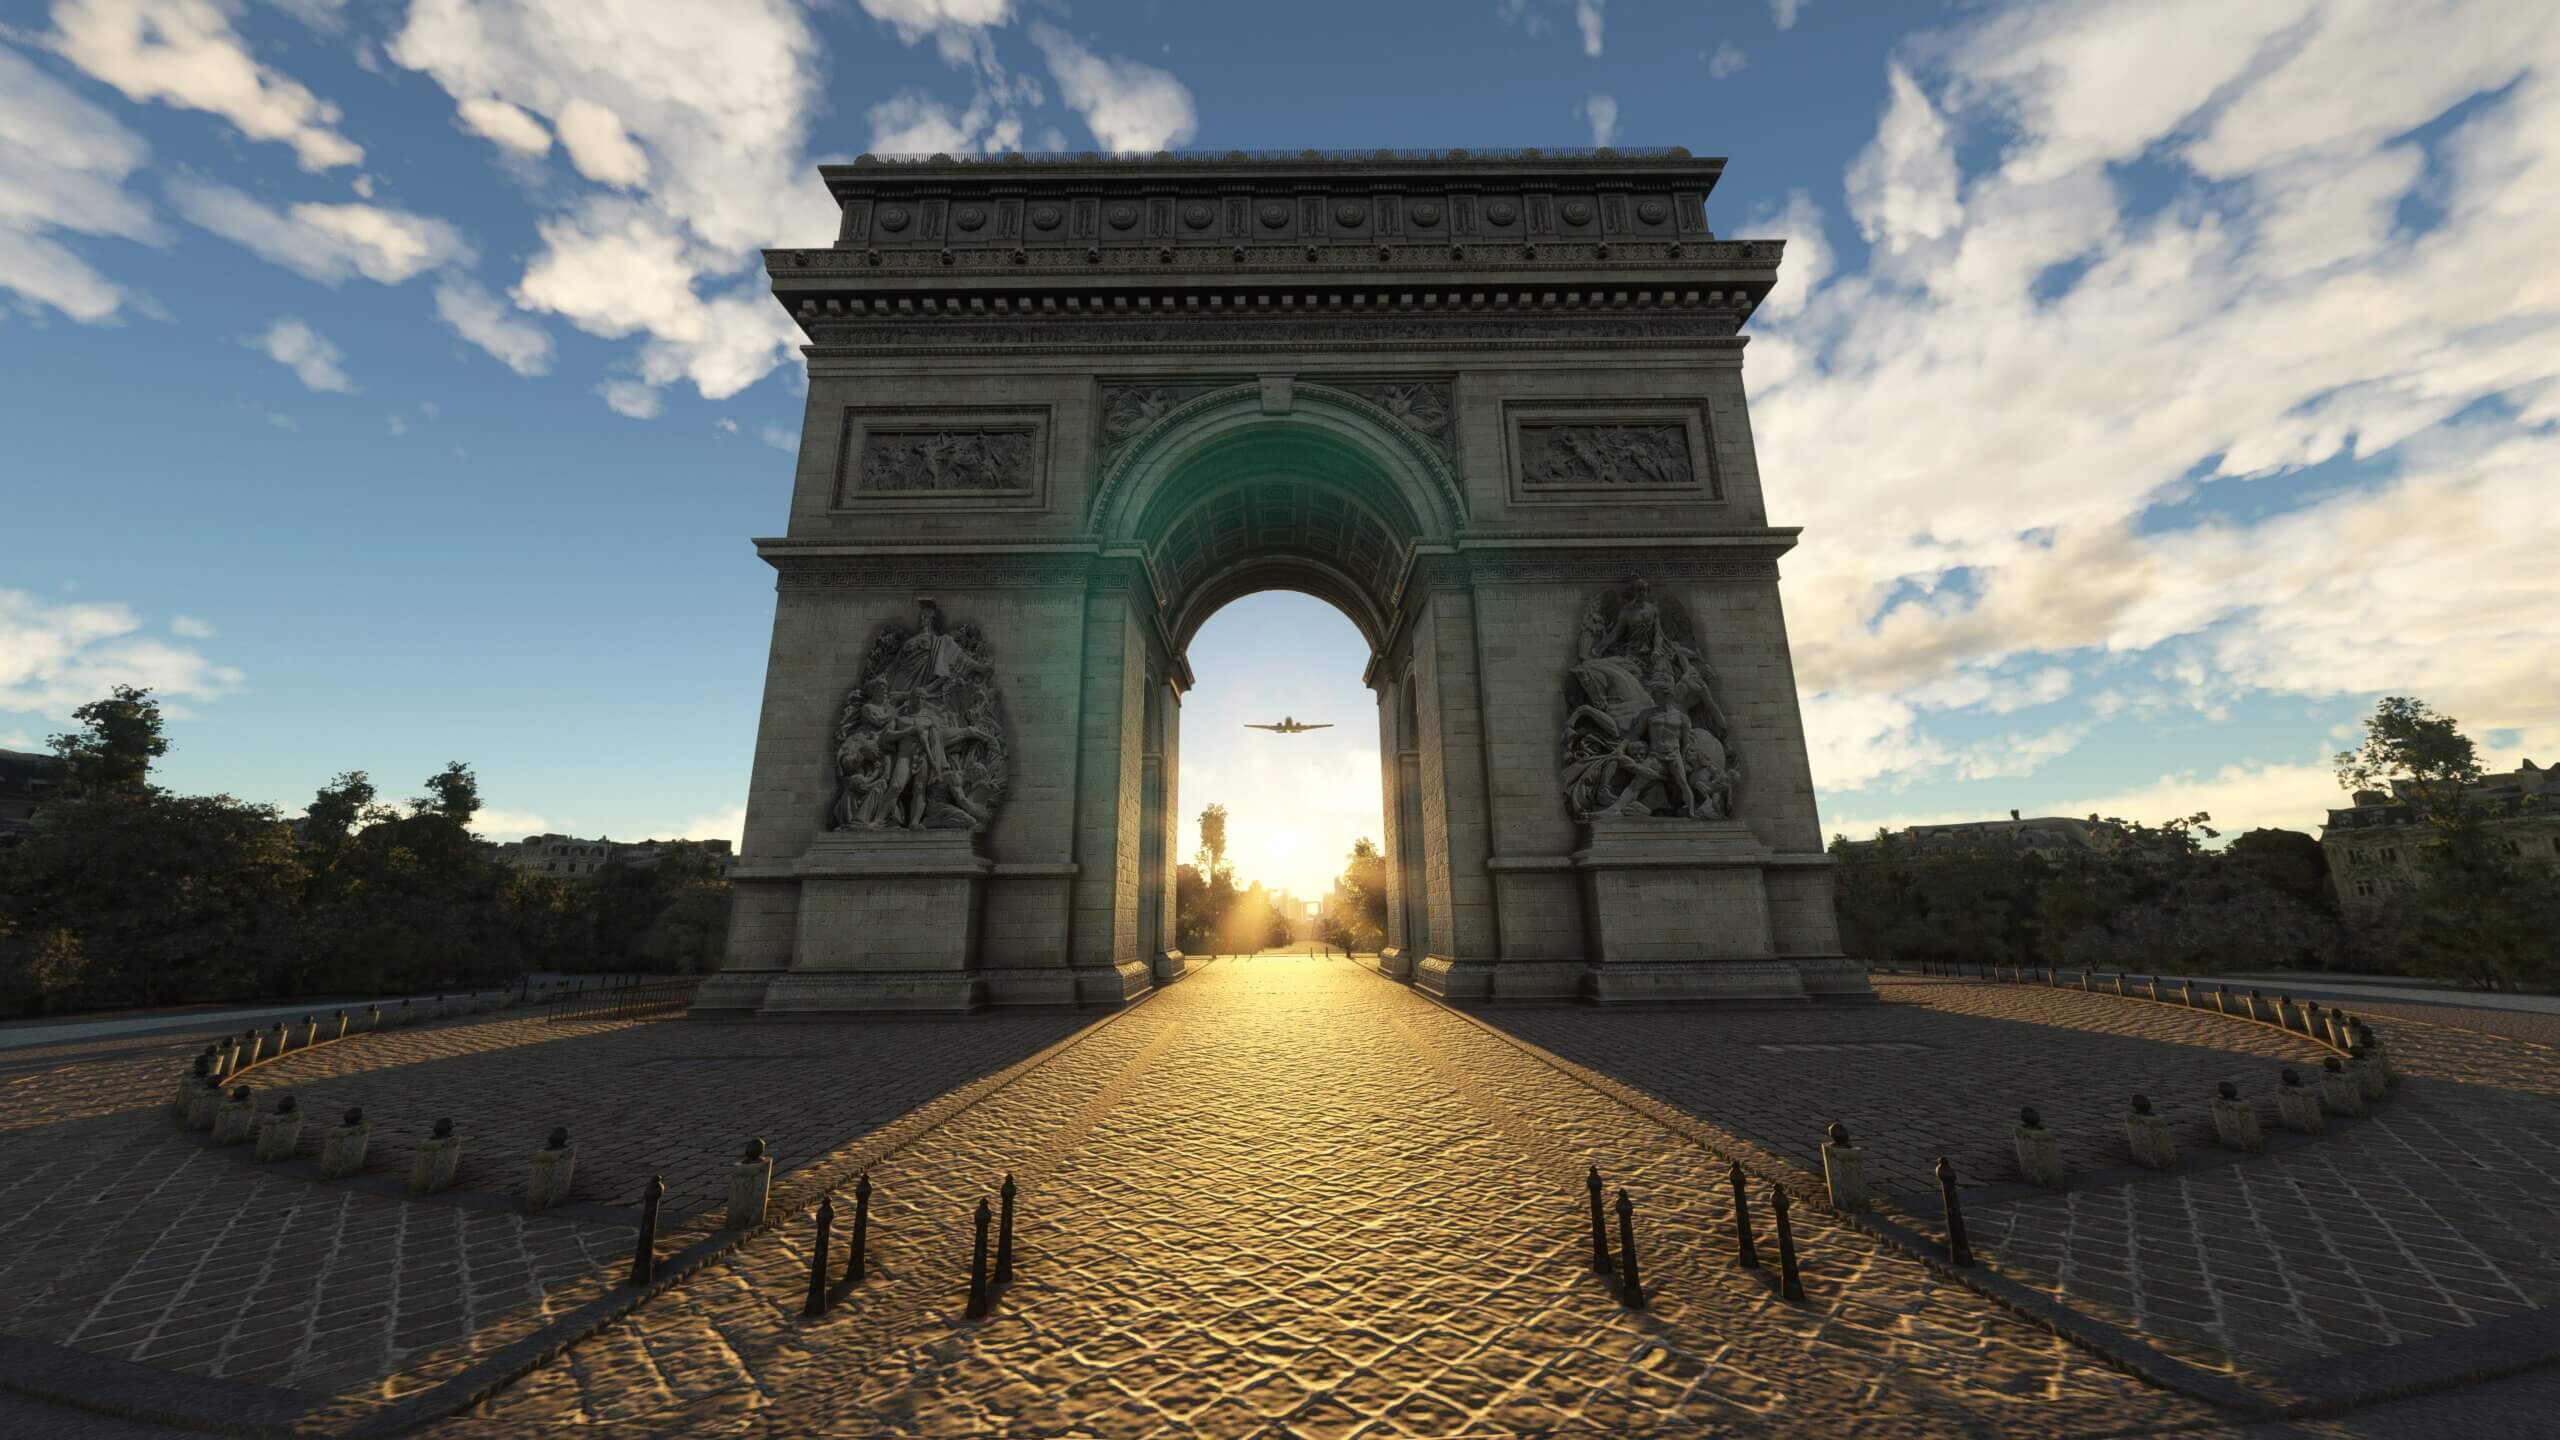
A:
[1269,532]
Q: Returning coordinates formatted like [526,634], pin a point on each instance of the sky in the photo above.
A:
[2157,382]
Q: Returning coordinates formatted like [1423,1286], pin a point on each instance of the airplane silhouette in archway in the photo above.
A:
[1291,725]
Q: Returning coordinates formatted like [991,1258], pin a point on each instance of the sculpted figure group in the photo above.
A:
[1644,734]
[921,742]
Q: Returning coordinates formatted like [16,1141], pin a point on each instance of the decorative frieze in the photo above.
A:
[1611,452]
[963,458]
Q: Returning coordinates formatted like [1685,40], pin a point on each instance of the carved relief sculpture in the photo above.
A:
[1643,733]
[912,460]
[1559,456]
[921,742]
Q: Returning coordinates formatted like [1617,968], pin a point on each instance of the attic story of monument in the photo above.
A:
[1489,405]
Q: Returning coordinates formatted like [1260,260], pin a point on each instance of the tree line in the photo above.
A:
[132,894]
[1212,914]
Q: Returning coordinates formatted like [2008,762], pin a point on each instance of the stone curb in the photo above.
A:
[129,1390]
[2320,1388]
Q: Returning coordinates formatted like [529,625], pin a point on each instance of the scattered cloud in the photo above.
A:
[631,398]
[190,627]
[476,316]
[729,825]
[63,164]
[504,125]
[292,343]
[1586,18]
[1783,13]
[780,437]
[726,425]
[1130,107]
[326,243]
[502,826]
[598,145]
[397,426]
[1726,59]
[55,658]
[1518,12]
[282,421]
[185,53]
[1601,110]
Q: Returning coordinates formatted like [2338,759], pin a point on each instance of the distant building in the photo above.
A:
[27,780]
[2373,845]
[2044,835]
[571,857]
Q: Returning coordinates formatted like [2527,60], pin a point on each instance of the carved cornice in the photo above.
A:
[821,565]
[1212,333]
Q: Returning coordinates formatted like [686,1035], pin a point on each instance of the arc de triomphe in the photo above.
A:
[1061,410]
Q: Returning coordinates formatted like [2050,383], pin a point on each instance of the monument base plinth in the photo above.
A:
[887,920]
[1679,911]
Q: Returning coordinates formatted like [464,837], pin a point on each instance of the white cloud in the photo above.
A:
[282,421]
[326,243]
[397,426]
[1586,18]
[476,316]
[598,145]
[725,425]
[1517,12]
[729,825]
[63,164]
[630,398]
[190,627]
[1602,111]
[1903,187]
[505,827]
[618,269]
[55,658]
[504,125]
[780,437]
[292,343]
[915,19]
[1130,107]
[184,53]
[1808,259]
[1727,59]
[1783,13]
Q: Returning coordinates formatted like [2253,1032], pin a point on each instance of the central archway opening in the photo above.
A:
[1294,804]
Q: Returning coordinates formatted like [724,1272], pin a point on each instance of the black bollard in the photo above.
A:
[1789,1286]
[1745,1253]
[1958,1252]
[644,1258]
[978,1267]
[861,1229]
[1004,1236]
[1630,1283]
[1599,1224]
[817,1303]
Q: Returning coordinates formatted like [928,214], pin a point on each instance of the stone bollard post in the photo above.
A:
[2339,1092]
[2149,1136]
[978,1267]
[187,1088]
[2221,999]
[2375,1054]
[1745,1253]
[277,1040]
[1790,1285]
[338,1031]
[406,1015]
[310,1032]
[1844,1170]
[252,1045]
[342,1154]
[1630,1280]
[2119,984]
[816,1304]
[861,1229]
[2235,1121]
[436,1010]
[373,1018]
[2366,1075]
[436,1160]
[238,1120]
[2314,1022]
[1004,1234]
[553,1165]
[2187,993]
[226,1056]
[750,1181]
[2084,980]
[2039,1153]
[2298,1105]
[204,1105]
[280,1131]
[2155,988]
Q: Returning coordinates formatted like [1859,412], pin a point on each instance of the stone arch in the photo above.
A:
[1326,421]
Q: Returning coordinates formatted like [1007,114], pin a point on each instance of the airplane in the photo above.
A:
[1290,725]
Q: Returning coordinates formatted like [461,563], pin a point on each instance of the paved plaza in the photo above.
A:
[1290,1197]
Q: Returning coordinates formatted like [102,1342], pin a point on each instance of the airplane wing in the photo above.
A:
[1261,727]
[1325,726]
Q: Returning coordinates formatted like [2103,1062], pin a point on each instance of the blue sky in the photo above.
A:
[2158,381]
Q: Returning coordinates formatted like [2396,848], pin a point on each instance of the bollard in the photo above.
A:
[2149,1136]
[1958,1252]
[1790,1285]
[310,1032]
[373,1018]
[254,1044]
[1745,1253]
[280,1132]
[861,1229]
[1004,1236]
[238,1119]
[2375,1054]
[2039,1153]
[205,1105]
[2345,1026]
[340,1032]
[277,1041]
[188,1087]
[2339,1092]
[226,1057]
[2254,1000]
[407,1014]
[1630,1284]
[644,1256]
[2221,999]
[2298,1105]
[750,1182]
[1844,1170]
[2084,981]
[978,1267]
[2155,988]
[2314,1023]
[2235,1123]
[816,1305]
[2119,984]
[1599,1223]
[2366,1075]
[553,1167]
[432,1168]
[342,1154]
[2187,993]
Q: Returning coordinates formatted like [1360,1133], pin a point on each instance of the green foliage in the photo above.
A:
[1360,926]
[114,749]
[2410,749]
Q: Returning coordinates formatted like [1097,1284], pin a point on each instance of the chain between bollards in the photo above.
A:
[978,1266]
[1599,1224]
[1958,1252]
[1789,1285]
[1745,1253]
[644,1257]
[1630,1284]
[817,1302]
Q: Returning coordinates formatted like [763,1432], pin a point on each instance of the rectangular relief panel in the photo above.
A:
[1599,451]
[945,459]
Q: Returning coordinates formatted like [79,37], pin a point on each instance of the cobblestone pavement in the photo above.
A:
[125,1237]
[1289,1198]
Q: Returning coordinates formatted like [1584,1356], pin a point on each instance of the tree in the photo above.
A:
[1205,895]
[1361,923]
[115,750]
[2412,751]
[453,793]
